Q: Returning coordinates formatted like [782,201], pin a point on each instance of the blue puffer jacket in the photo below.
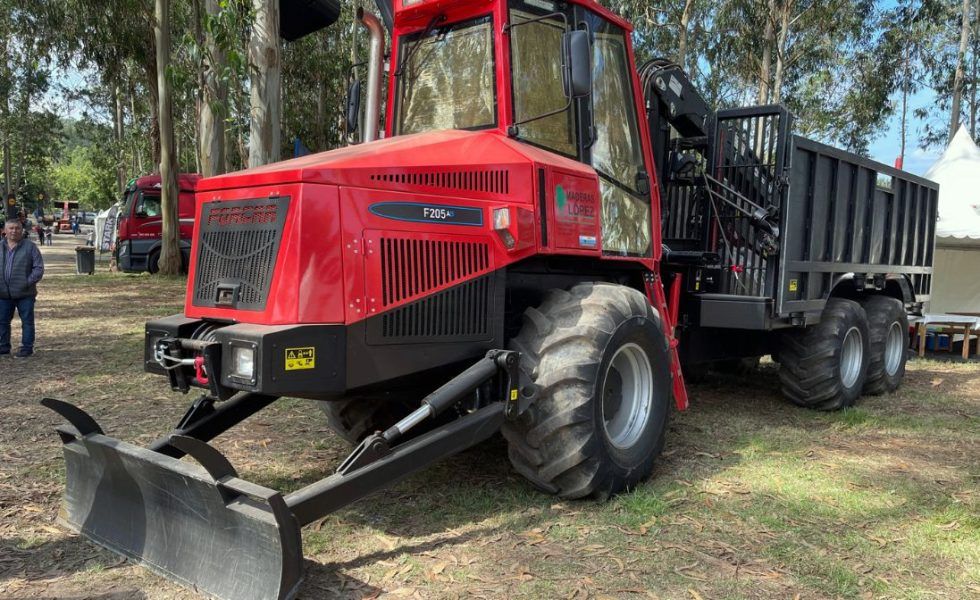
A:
[27,260]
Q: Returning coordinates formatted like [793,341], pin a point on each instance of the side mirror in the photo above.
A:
[353,106]
[577,58]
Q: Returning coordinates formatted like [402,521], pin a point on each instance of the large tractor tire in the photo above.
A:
[599,358]
[355,418]
[888,328]
[824,367]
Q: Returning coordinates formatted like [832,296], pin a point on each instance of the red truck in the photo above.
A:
[140,223]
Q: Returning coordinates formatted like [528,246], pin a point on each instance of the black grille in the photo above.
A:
[461,313]
[411,267]
[238,243]
[494,181]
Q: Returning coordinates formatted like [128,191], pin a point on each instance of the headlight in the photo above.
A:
[243,362]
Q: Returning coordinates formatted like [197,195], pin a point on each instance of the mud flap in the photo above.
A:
[202,527]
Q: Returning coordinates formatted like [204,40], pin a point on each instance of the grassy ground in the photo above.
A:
[752,499]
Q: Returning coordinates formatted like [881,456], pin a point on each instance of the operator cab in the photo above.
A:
[555,75]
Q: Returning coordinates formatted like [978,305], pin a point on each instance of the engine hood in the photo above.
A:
[460,162]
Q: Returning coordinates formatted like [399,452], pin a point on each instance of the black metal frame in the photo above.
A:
[102,471]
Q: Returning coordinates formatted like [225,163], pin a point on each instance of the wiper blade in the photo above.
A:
[436,20]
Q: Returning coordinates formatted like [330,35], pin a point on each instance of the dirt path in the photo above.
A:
[753,498]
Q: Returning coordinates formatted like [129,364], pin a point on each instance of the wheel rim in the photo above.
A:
[894,347]
[627,396]
[851,357]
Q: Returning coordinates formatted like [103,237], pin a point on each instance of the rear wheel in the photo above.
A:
[888,327]
[599,356]
[825,366]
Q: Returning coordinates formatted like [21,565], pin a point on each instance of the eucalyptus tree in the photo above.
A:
[265,74]
[170,249]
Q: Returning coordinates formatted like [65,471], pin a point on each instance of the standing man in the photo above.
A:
[22,269]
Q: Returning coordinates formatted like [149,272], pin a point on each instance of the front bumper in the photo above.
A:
[305,361]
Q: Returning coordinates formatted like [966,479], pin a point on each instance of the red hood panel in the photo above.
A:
[463,163]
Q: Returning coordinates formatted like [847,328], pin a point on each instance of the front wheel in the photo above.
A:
[599,357]
[153,262]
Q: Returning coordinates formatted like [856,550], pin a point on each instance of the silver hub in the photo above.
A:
[894,348]
[627,396]
[851,357]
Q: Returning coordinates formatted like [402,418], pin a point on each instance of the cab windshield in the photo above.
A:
[448,79]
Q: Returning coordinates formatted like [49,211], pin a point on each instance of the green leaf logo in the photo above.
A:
[560,197]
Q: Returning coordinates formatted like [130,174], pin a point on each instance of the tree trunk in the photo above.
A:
[976,50]
[954,118]
[682,34]
[765,61]
[8,174]
[264,67]
[905,113]
[119,116]
[170,245]
[153,89]
[211,131]
[777,86]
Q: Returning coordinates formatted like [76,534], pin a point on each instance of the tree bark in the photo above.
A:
[954,118]
[682,34]
[905,108]
[777,86]
[120,131]
[153,89]
[765,62]
[170,246]
[8,172]
[211,131]
[976,50]
[264,133]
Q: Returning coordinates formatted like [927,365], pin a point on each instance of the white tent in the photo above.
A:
[956,278]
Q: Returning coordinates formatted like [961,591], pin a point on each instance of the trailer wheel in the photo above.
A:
[888,325]
[599,357]
[357,417]
[824,367]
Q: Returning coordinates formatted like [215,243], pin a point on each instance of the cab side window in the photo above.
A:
[535,47]
[149,206]
[616,151]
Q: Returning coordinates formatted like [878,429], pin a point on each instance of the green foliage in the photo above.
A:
[842,63]
[85,177]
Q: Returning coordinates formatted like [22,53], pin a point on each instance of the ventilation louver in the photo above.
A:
[493,181]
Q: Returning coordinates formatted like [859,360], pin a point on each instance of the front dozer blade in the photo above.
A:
[202,527]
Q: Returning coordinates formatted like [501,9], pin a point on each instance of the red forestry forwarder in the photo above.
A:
[546,232]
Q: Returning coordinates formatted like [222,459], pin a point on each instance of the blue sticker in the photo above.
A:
[588,241]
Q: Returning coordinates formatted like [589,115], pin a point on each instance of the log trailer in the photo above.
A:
[546,236]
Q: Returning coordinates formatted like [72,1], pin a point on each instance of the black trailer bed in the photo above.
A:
[842,220]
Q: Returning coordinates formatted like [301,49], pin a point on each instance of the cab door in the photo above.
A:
[615,149]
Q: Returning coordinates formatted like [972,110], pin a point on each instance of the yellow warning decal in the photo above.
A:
[300,358]
[794,285]
[513,394]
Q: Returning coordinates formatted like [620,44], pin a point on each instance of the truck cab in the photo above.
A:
[140,223]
